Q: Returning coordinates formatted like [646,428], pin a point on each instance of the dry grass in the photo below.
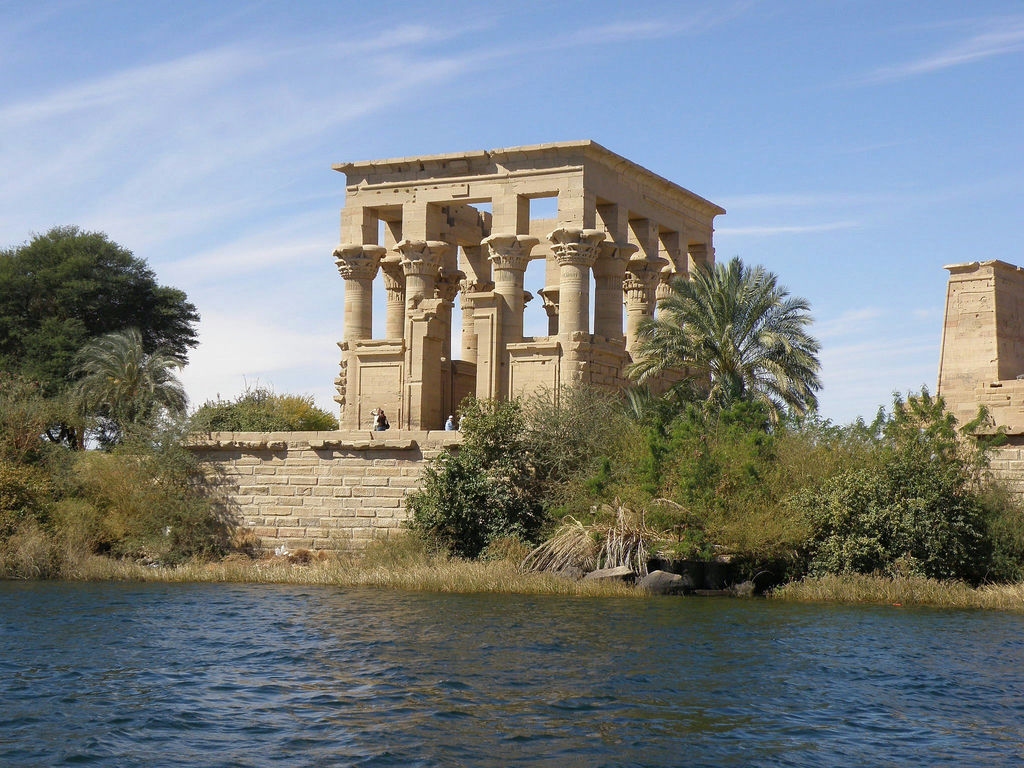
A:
[626,542]
[903,591]
[403,563]
[379,567]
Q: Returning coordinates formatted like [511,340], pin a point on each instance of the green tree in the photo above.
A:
[734,326]
[260,409]
[67,287]
[487,490]
[123,388]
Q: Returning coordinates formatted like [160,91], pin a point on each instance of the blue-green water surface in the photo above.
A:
[252,675]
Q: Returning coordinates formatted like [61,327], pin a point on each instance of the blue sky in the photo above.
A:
[858,147]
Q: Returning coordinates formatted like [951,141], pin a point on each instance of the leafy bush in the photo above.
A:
[259,409]
[146,501]
[916,508]
[25,416]
[25,493]
[488,490]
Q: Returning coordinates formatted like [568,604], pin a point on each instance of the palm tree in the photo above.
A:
[124,388]
[738,329]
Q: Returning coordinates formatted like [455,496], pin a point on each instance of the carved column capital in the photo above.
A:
[510,252]
[577,247]
[637,291]
[421,258]
[648,270]
[549,300]
[358,262]
[664,287]
[447,285]
[469,287]
[642,275]
[394,275]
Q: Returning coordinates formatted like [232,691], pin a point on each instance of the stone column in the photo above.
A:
[575,250]
[421,261]
[664,287]
[509,256]
[394,284]
[609,271]
[642,277]
[698,255]
[549,296]
[358,265]
[470,288]
[447,287]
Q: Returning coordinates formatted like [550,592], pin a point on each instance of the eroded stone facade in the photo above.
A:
[456,230]
[982,358]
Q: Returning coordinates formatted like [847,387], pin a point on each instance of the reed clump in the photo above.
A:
[902,591]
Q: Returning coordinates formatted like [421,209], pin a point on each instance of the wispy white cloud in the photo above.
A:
[156,82]
[173,146]
[861,376]
[786,229]
[852,321]
[1001,37]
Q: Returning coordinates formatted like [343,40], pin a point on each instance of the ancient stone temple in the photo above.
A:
[455,233]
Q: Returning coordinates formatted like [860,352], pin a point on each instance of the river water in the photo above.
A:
[254,675]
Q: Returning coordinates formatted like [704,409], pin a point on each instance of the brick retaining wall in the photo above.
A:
[318,490]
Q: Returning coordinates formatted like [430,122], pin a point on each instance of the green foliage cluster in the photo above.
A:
[60,294]
[736,333]
[143,499]
[259,409]
[124,390]
[88,343]
[66,287]
[904,495]
[917,505]
[516,468]
[486,490]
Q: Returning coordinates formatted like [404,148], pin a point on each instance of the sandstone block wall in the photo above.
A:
[318,490]
[1006,464]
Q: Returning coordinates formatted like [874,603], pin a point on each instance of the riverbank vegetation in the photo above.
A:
[728,465]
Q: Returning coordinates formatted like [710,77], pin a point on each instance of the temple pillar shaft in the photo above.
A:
[642,277]
[575,250]
[509,256]
[358,265]
[468,301]
[394,285]
[609,271]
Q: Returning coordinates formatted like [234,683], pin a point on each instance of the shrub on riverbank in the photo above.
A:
[512,467]
[144,499]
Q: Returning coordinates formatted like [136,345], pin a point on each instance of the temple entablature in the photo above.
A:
[454,239]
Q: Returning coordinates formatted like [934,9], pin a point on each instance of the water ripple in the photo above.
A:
[236,675]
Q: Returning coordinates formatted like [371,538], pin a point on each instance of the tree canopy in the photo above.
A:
[125,389]
[736,325]
[67,287]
